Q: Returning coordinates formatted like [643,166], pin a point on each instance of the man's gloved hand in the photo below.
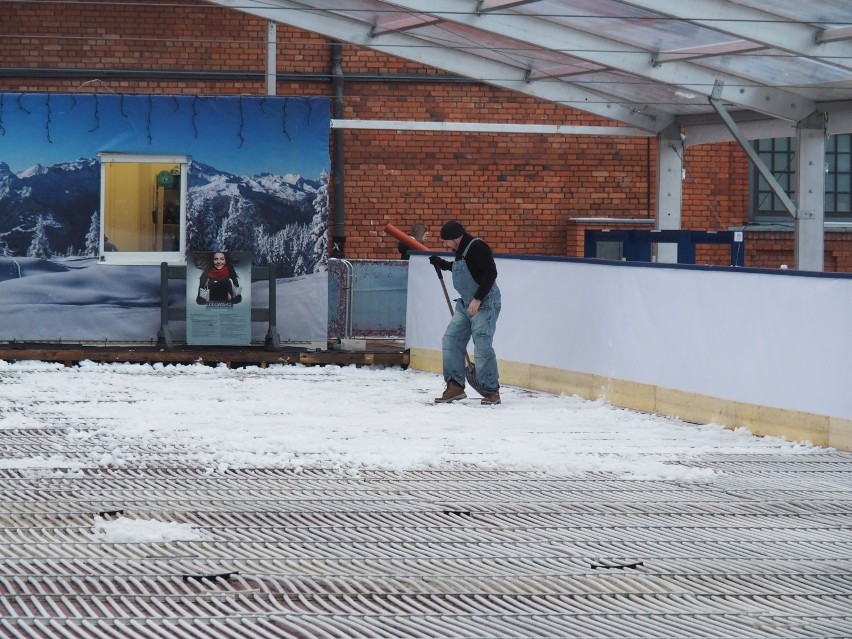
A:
[440,263]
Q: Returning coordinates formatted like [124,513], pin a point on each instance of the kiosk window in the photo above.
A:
[143,208]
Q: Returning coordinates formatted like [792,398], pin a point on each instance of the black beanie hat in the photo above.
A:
[452,230]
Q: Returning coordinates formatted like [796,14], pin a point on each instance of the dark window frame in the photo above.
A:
[779,155]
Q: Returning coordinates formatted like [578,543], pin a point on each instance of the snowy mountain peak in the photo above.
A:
[8,180]
[37,169]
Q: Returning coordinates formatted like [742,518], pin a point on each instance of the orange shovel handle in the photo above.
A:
[405,238]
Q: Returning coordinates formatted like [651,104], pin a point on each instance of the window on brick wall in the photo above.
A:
[779,155]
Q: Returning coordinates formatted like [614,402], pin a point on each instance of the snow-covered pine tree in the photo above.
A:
[40,245]
[262,247]
[93,237]
[319,229]
[304,259]
[238,230]
[280,253]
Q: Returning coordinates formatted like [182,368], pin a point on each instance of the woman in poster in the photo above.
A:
[219,283]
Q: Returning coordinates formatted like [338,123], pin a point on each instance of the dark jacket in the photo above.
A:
[404,251]
[480,263]
[227,290]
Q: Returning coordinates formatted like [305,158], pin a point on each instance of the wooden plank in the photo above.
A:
[377,353]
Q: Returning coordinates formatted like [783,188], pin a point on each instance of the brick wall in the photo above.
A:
[518,191]
[772,249]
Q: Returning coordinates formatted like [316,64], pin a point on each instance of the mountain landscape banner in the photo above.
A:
[257,183]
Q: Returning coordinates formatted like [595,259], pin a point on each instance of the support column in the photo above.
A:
[810,193]
[271,58]
[670,150]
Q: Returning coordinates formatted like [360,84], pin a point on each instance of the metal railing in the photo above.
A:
[367,298]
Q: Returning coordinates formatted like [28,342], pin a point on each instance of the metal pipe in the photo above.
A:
[338,157]
[33,72]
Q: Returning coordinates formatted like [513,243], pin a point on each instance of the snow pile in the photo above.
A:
[345,418]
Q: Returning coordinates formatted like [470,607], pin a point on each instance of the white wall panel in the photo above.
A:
[779,339]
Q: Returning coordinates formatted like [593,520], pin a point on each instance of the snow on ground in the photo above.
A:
[128,530]
[346,418]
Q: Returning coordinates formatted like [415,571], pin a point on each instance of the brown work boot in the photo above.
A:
[491,398]
[453,392]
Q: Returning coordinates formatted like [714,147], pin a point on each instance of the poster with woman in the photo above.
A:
[218,298]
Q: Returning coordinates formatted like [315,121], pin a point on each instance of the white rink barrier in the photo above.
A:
[766,350]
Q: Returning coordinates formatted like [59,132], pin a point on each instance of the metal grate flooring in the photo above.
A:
[765,550]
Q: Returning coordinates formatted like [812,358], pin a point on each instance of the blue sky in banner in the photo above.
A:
[243,135]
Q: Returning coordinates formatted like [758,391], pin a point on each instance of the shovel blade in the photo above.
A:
[470,375]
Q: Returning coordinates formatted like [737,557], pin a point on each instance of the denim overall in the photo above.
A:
[481,327]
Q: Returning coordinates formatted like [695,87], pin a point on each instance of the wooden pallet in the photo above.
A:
[375,352]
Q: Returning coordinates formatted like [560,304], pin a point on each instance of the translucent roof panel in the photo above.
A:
[825,13]
[503,49]
[644,63]
[803,76]
[634,91]
[621,23]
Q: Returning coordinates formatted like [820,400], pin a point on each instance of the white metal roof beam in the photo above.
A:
[484,6]
[758,162]
[620,56]
[560,71]
[761,27]
[706,51]
[832,35]
[455,61]
[490,127]
[402,24]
